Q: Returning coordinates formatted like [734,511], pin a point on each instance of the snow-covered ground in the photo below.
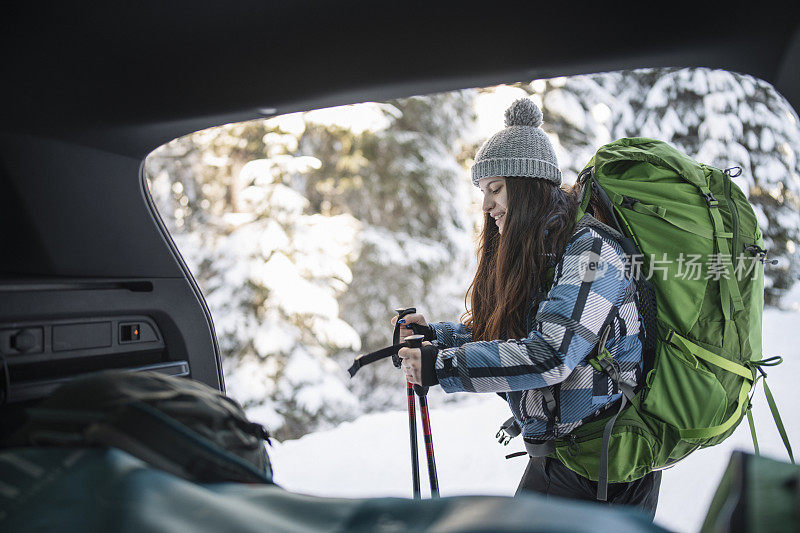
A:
[370,456]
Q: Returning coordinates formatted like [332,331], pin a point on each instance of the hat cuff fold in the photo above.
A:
[515,167]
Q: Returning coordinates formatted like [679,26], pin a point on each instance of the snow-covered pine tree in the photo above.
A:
[576,112]
[726,119]
[269,270]
[405,184]
[388,199]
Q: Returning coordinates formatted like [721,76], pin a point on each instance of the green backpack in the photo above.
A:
[701,293]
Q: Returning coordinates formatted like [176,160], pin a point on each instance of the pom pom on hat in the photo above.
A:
[523,112]
[521,150]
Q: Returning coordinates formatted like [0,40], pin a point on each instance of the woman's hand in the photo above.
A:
[412,363]
[405,324]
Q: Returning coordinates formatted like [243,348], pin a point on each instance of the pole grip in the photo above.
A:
[401,312]
[414,341]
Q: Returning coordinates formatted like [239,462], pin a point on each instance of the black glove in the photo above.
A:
[429,352]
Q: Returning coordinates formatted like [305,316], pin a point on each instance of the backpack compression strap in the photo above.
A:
[773,407]
[729,289]
[603,362]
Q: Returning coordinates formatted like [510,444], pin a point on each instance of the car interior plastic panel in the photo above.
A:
[89,277]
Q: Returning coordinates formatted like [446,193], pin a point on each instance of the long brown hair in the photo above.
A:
[512,266]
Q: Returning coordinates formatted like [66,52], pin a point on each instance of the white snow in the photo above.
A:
[567,106]
[357,118]
[491,105]
[722,127]
[370,456]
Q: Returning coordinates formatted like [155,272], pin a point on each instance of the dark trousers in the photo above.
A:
[549,476]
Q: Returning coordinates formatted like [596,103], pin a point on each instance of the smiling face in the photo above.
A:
[495,199]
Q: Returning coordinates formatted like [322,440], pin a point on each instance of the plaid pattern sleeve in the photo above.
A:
[589,285]
[451,335]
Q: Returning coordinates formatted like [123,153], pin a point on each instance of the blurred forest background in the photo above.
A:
[304,231]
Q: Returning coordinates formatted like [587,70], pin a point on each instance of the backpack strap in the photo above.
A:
[629,244]
[773,407]
[583,179]
[603,362]
[659,212]
[550,405]
[752,428]
[776,416]
[729,289]
[540,448]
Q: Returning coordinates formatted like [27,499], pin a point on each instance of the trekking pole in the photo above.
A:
[422,392]
[412,416]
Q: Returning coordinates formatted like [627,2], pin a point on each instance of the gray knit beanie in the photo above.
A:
[521,150]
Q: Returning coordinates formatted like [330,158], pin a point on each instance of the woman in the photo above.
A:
[544,290]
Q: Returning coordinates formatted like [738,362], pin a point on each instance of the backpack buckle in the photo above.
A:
[503,437]
[601,356]
[508,431]
[610,367]
[602,362]
[710,200]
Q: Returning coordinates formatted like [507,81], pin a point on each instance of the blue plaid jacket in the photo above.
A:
[592,287]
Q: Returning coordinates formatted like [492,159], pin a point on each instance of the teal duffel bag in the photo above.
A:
[143,452]
[96,489]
